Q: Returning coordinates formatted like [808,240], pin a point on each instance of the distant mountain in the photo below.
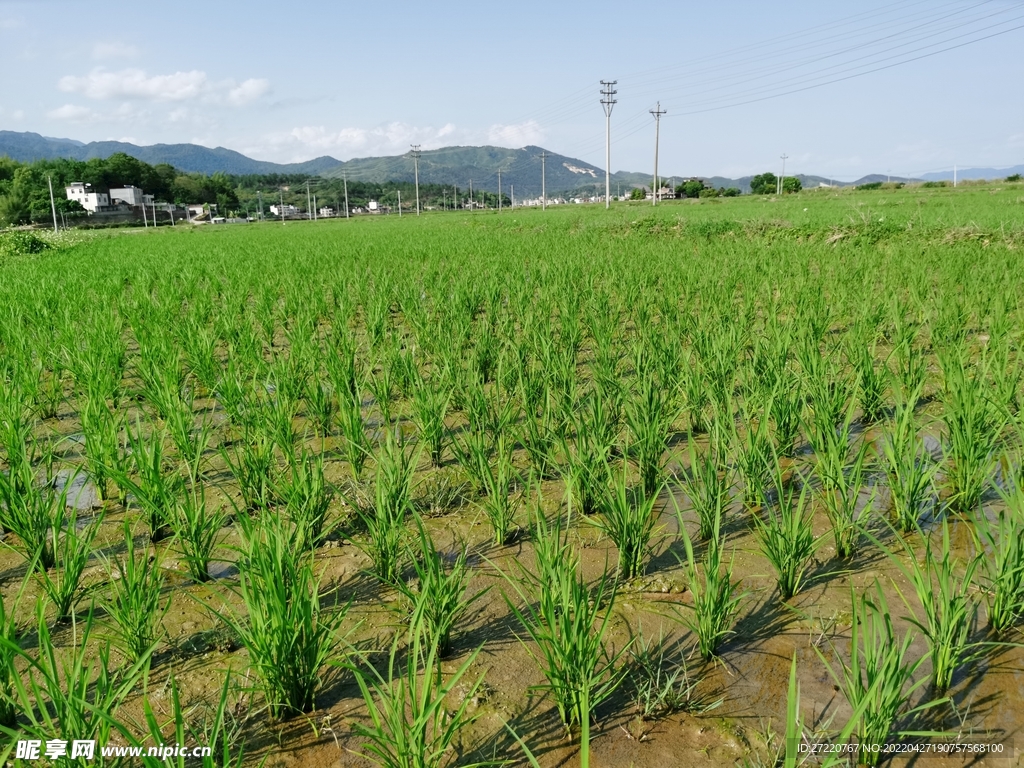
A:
[26,147]
[965,174]
[462,166]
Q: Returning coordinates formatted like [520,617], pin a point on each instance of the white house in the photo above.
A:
[326,213]
[287,210]
[131,195]
[82,194]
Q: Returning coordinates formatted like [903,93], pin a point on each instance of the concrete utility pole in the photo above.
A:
[315,208]
[345,179]
[399,203]
[309,205]
[259,194]
[954,174]
[657,112]
[513,188]
[144,222]
[782,178]
[282,207]
[455,204]
[53,205]
[499,190]
[153,208]
[471,193]
[543,184]
[416,171]
[608,102]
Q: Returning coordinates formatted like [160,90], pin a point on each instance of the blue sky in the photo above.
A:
[742,82]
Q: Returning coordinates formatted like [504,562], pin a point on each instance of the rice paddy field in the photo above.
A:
[721,482]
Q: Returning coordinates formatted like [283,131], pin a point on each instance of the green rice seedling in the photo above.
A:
[307,497]
[537,434]
[829,394]
[253,467]
[381,385]
[104,451]
[322,407]
[974,424]
[410,723]
[196,528]
[430,403]
[794,726]
[754,455]
[707,485]
[156,490]
[879,681]
[786,535]
[650,415]
[716,597]
[10,636]
[1002,542]
[563,617]
[628,522]
[786,410]
[217,731]
[498,480]
[842,479]
[72,695]
[385,523]
[356,447]
[136,603]
[438,594]
[695,395]
[72,549]
[32,515]
[911,367]
[908,467]
[288,633]
[662,686]
[949,614]
[871,378]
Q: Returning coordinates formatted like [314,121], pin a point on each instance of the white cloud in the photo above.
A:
[517,135]
[248,91]
[135,84]
[76,113]
[114,50]
[18,114]
[73,113]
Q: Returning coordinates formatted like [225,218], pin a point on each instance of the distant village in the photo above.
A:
[132,204]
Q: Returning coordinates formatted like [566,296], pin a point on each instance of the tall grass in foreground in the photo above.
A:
[944,587]
[67,696]
[136,603]
[289,635]
[439,596]
[563,617]
[72,549]
[974,423]
[707,484]
[879,682]
[226,751]
[908,467]
[1001,544]
[32,514]
[411,725]
[196,528]
[385,523]
[715,599]
[842,479]
[786,535]
[629,522]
